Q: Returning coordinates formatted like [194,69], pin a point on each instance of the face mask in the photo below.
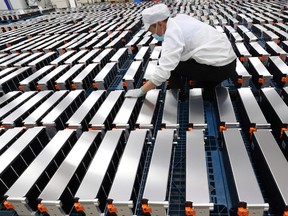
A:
[158,37]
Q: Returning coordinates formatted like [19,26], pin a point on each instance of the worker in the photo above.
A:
[191,50]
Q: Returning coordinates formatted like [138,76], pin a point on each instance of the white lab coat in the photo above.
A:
[188,38]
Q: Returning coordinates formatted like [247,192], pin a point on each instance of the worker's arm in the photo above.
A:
[135,93]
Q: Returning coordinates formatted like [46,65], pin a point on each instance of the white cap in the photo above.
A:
[154,14]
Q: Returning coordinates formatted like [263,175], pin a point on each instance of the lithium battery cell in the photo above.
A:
[24,62]
[30,82]
[122,200]
[275,114]
[235,154]
[7,71]
[279,70]
[253,117]
[149,110]
[249,37]
[105,77]
[197,186]
[241,77]
[271,36]
[156,200]
[19,156]
[24,192]
[74,58]
[85,78]
[143,55]
[196,110]
[64,81]
[62,58]
[120,57]
[275,50]
[272,163]
[6,98]
[11,81]
[15,118]
[95,186]
[242,53]
[149,70]
[14,104]
[127,114]
[10,62]
[69,175]
[56,118]
[83,115]
[133,75]
[258,30]
[48,81]
[42,61]
[225,108]
[105,115]
[170,110]
[103,58]
[257,50]
[261,77]
[38,114]
[88,57]
[9,137]
[132,45]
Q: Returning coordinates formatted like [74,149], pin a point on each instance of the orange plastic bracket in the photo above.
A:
[261,80]
[189,211]
[146,208]
[21,88]
[57,87]
[73,86]
[78,207]
[111,208]
[243,211]
[8,205]
[95,86]
[222,128]
[284,79]
[282,131]
[42,208]
[240,81]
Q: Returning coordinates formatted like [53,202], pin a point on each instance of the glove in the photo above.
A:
[134,93]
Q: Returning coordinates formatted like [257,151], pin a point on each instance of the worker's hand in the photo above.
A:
[134,93]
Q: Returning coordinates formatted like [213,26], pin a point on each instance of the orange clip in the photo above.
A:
[189,211]
[261,80]
[145,207]
[124,84]
[240,81]
[39,88]
[50,50]
[261,58]
[123,40]
[21,88]
[284,79]
[190,128]
[242,59]
[73,86]
[63,50]
[42,208]
[243,211]
[111,208]
[95,86]
[277,41]
[132,48]
[282,131]
[285,213]
[78,207]
[57,87]
[8,205]
[222,128]
[252,129]
[191,82]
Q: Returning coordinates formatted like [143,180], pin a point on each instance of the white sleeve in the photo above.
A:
[172,48]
